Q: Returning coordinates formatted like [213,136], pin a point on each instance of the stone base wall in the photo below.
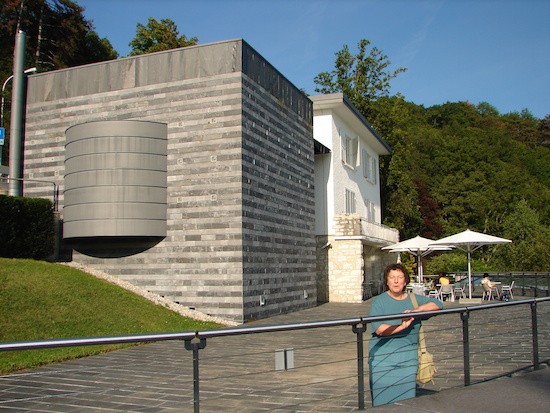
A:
[346,273]
[349,269]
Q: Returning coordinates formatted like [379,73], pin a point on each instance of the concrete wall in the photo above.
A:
[240,172]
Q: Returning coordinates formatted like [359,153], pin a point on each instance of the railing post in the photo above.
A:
[359,329]
[535,333]
[464,316]
[190,345]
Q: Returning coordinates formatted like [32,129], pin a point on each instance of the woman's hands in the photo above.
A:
[389,329]
[424,307]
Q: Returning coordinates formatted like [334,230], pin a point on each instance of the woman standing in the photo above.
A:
[393,348]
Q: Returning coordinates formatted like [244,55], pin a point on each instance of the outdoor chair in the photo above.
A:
[446,291]
[507,289]
[490,292]
[433,294]
[459,291]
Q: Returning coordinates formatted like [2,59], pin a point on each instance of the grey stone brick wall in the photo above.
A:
[278,205]
[240,216]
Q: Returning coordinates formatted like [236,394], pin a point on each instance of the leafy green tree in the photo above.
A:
[363,77]
[402,205]
[529,248]
[456,261]
[157,36]
[57,36]
[544,129]
[524,127]
[486,109]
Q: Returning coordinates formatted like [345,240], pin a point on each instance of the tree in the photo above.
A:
[429,210]
[58,36]
[529,248]
[403,212]
[363,77]
[544,129]
[158,36]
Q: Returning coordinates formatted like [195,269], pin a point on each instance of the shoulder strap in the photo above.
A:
[421,338]
[413,300]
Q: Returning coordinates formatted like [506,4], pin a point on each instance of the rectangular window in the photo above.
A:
[370,167]
[350,202]
[349,150]
[369,211]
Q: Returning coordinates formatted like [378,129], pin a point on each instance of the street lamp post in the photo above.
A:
[27,71]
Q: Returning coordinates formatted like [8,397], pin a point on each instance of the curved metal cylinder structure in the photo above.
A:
[115,180]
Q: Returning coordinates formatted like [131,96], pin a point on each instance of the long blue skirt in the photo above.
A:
[392,373]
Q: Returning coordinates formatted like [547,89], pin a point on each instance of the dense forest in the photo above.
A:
[453,166]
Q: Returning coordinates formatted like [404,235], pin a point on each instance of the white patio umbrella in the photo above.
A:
[419,247]
[469,241]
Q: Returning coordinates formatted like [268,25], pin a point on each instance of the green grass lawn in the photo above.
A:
[41,300]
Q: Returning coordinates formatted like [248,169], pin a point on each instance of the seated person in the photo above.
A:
[487,280]
[443,279]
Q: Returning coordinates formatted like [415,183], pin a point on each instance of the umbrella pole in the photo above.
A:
[419,268]
[470,273]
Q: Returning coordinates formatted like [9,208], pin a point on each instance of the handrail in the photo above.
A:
[232,331]
[55,194]
[196,341]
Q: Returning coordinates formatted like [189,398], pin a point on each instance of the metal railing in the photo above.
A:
[195,341]
[55,190]
[530,283]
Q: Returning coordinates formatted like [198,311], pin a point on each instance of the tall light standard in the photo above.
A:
[27,71]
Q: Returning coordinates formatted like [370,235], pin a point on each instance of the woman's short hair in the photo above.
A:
[398,267]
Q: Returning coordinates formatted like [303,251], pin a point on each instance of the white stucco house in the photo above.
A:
[348,219]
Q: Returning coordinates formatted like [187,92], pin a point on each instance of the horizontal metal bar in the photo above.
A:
[231,331]
[88,341]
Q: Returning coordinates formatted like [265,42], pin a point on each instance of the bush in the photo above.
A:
[27,229]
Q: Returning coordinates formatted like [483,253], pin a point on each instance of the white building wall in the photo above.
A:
[324,174]
[353,179]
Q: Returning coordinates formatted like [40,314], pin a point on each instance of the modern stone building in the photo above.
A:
[234,235]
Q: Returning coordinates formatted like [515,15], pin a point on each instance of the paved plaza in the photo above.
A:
[237,373]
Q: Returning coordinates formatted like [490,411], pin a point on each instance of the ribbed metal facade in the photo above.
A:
[115,179]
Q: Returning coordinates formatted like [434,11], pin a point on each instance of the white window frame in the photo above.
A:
[349,150]
[370,211]
[370,167]
[351,204]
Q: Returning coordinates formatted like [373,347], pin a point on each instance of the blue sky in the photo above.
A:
[495,51]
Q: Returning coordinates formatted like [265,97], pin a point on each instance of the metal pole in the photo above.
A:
[27,71]
[469,274]
[195,347]
[3,100]
[466,346]
[359,329]
[17,114]
[535,333]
